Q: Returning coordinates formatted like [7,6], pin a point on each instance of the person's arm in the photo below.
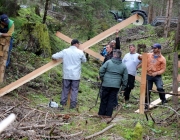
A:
[163,68]
[83,59]
[139,65]
[9,33]
[124,79]
[102,70]
[117,40]
[57,55]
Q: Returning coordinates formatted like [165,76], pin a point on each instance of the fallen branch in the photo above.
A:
[100,132]
[175,94]
[40,126]
[58,137]
[119,108]
[24,117]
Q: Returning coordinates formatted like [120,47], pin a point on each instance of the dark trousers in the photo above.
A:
[9,52]
[109,94]
[68,85]
[159,84]
[130,86]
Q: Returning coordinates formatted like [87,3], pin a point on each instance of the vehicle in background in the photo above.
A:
[131,7]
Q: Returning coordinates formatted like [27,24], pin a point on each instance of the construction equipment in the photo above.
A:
[131,7]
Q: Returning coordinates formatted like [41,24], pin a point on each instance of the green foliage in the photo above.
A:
[137,133]
[41,33]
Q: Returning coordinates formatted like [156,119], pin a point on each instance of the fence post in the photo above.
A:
[175,80]
[143,83]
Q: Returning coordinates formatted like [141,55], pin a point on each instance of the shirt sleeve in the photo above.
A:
[83,59]
[11,30]
[58,55]
[102,70]
[163,67]
[124,79]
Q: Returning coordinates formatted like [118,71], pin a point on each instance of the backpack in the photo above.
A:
[103,51]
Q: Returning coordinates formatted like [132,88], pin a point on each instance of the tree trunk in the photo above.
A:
[45,11]
[37,10]
[168,17]
[150,13]
[162,8]
[177,38]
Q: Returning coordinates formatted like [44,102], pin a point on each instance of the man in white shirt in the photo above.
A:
[132,63]
[72,59]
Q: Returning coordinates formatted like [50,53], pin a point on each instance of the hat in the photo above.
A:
[4,18]
[74,41]
[156,45]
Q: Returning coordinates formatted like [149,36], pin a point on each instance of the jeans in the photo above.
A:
[159,84]
[9,52]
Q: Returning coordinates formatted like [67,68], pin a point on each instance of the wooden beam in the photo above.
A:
[29,77]
[143,83]
[90,52]
[158,101]
[179,64]
[109,32]
[52,64]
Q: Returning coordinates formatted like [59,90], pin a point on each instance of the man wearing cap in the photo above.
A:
[156,66]
[7,30]
[72,59]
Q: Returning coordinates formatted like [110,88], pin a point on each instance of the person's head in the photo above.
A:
[117,53]
[113,43]
[75,42]
[4,19]
[156,48]
[109,48]
[132,48]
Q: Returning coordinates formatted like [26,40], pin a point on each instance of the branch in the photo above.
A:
[58,137]
[175,94]
[119,108]
[100,132]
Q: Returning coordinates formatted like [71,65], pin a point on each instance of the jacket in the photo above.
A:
[114,73]
[72,58]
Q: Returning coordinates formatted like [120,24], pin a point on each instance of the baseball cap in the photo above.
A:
[74,41]
[156,45]
[4,18]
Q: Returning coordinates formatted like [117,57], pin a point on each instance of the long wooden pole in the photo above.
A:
[143,83]
[52,64]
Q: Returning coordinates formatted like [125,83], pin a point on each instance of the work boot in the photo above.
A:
[164,101]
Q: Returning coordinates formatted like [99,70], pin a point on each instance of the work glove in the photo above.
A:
[1,34]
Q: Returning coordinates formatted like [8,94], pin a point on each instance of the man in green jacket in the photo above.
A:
[7,30]
[114,75]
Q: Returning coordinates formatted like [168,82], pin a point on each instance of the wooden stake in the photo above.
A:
[143,83]
[175,81]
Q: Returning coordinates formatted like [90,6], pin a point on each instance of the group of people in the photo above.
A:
[7,30]
[115,73]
